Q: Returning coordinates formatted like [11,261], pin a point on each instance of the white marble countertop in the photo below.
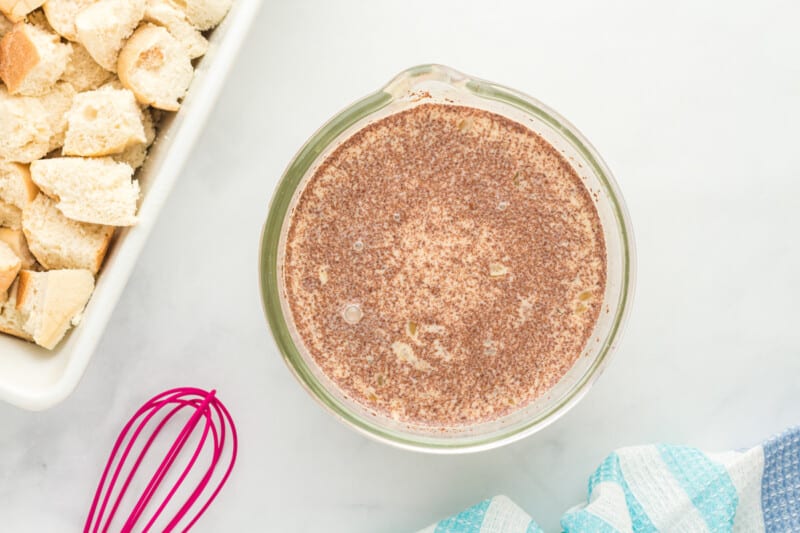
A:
[694,107]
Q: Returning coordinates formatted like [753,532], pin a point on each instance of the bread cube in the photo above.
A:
[164,13]
[12,321]
[83,72]
[32,59]
[103,122]
[52,302]
[57,103]
[61,16]
[205,14]
[135,155]
[97,191]
[104,26]
[58,242]
[155,66]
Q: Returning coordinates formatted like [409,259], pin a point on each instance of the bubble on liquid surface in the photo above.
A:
[358,246]
[502,206]
[352,313]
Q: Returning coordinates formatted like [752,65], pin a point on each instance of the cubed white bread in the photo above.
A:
[83,72]
[97,191]
[16,186]
[24,128]
[12,320]
[10,216]
[103,122]
[59,242]
[10,265]
[16,10]
[156,67]
[16,240]
[61,15]
[166,14]
[32,59]
[57,103]
[103,27]
[205,14]
[53,302]
[17,190]
[5,25]
[135,155]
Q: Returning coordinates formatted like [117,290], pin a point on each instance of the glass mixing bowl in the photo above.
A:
[439,84]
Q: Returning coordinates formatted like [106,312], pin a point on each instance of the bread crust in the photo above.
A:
[5,25]
[23,286]
[50,302]
[15,239]
[8,329]
[144,52]
[18,57]
[12,320]
[32,59]
[9,272]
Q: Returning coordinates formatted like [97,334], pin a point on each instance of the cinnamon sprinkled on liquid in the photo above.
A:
[445,266]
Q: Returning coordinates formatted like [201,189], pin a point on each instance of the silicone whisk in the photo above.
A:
[181,504]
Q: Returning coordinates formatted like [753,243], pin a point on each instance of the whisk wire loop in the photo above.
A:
[208,413]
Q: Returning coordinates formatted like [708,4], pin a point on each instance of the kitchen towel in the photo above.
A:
[669,488]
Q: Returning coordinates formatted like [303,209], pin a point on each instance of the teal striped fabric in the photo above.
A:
[707,484]
[497,515]
[470,521]
[668,488]
[610,472]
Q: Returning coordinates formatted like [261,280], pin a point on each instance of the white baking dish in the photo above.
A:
[34,378]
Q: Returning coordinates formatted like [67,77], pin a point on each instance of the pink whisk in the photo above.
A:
[206,412]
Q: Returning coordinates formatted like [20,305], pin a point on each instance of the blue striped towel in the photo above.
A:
[669,488]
